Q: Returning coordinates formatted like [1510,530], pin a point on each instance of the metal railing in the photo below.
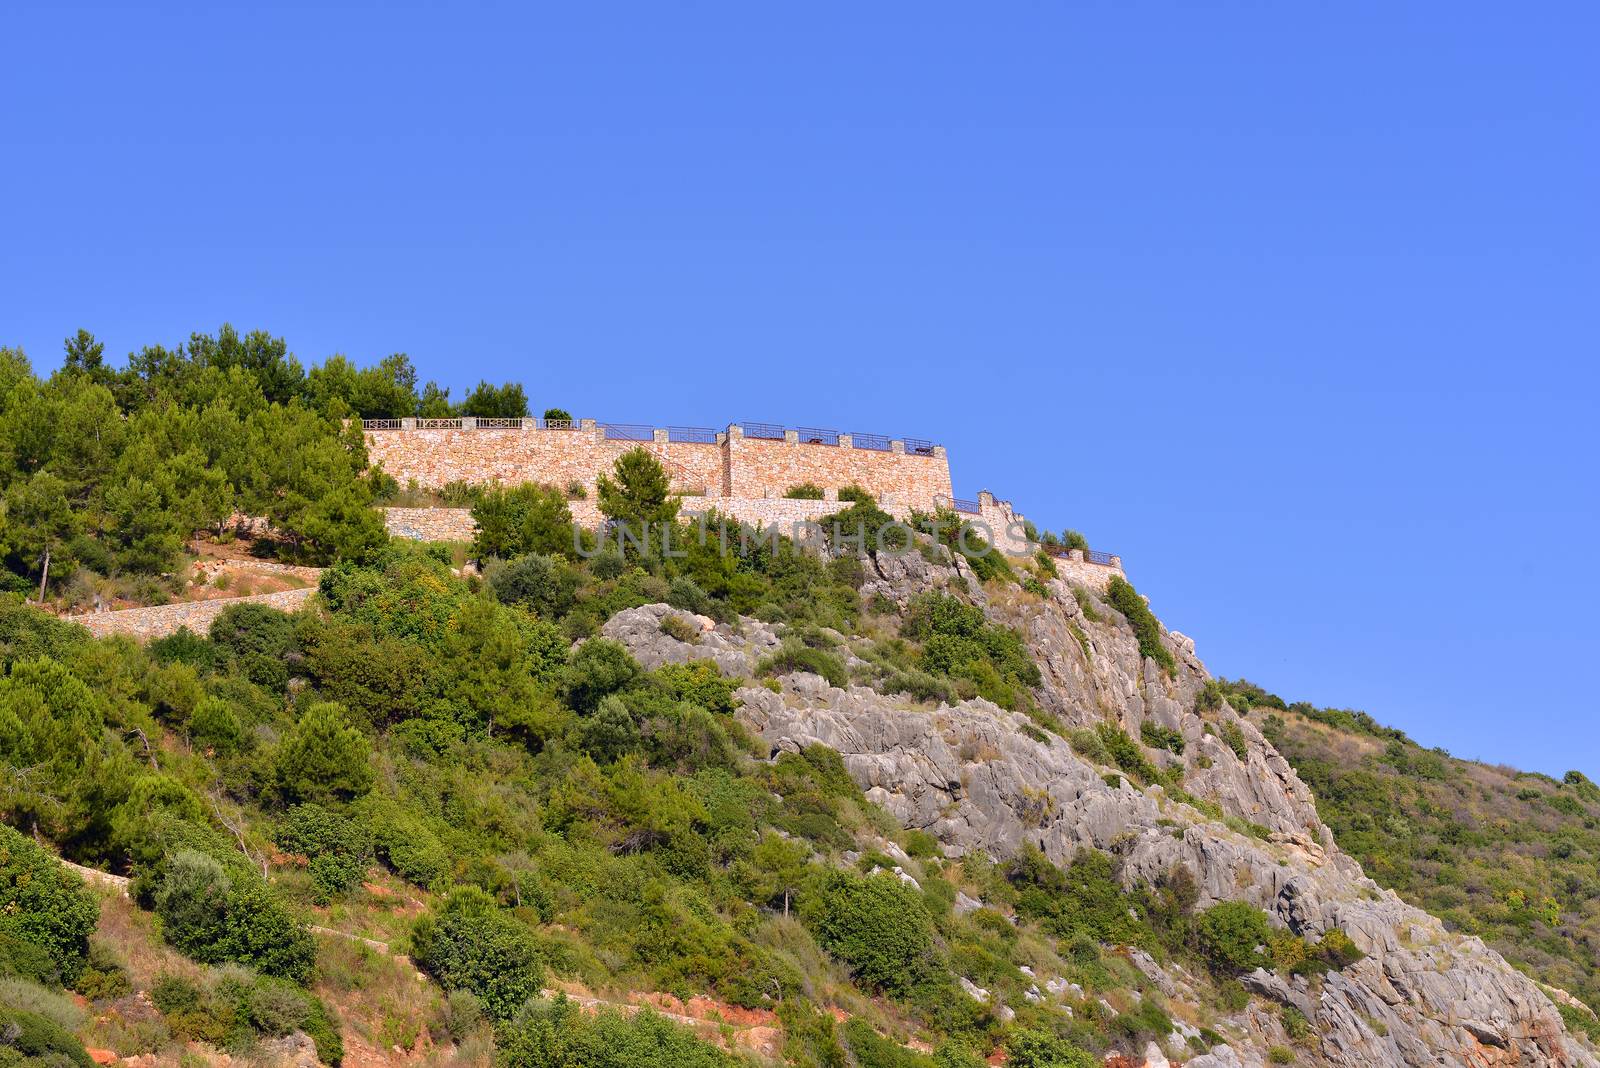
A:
[1095,556]
[627,432]
[810,435]
[638,432]
[876,442]
[969,507]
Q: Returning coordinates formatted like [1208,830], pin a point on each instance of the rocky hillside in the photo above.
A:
[1507,855]
[1223,803]
[892,810]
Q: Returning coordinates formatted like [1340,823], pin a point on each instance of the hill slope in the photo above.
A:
[1507,855]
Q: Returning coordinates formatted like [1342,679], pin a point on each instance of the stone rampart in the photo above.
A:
[713,464]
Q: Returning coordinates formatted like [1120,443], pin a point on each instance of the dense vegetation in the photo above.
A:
[106,473]
[455,761]
[1507,855]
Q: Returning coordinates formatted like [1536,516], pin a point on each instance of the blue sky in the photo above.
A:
[1296,308]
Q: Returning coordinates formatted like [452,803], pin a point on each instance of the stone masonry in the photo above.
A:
[732,465]
[742,471]
[157,622]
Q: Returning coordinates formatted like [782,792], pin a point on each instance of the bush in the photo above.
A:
[215,917]
[558,1035]
[471,944]
[45,906]
[877,925]
[38,1040]
[805,491]
[598,667]
[1037,1049]
[1228,935]
[410,848]
[1125,599]
[795,656]
[699,682]
[213,725]
[1159,737]
[524,519]
[546,584]
[324,758]
[686,595]
[338,848]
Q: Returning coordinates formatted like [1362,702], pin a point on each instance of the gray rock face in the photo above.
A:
[970,775]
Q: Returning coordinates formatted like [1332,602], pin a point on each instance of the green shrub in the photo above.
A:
[1125,599]
[546,584]
[1159,737]
[598,667]
[45,906]
[324,759]
[409,847]
[213,725]
[877,925]
[216,916]
[338,848]
[1125,753]
[1038,1049]
[872,1050]
[471,944]
[522,519]
[103,976]
[1231,733]
[795,656]
[1227,936]
[804,491]
[558,1035]
[699,682]
[684,594]
[38,1041]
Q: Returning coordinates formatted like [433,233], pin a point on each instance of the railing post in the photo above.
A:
[657,434]
[896,445]
[408,424]
[469,422]
[791,437]
[845,441]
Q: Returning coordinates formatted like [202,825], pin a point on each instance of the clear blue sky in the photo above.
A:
[1295,307]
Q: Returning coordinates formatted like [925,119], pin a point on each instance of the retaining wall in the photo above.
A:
[158,622]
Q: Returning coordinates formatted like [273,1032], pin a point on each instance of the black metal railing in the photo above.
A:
[628,432]
[810,435]
[556,424]
[876,442]
[765,431]
[701,434]
[970,507]
[1095,556]
[919,447]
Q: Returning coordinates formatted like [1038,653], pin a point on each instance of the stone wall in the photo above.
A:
[731,466]
[158,622]
[1074,568]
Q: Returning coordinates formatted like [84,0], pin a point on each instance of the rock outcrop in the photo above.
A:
[979,777]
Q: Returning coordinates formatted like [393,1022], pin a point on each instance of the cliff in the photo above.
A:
[982,779]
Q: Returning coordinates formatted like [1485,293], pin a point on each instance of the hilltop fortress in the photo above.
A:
[743,471]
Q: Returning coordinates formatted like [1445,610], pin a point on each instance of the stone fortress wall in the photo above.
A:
[743,461]
[741,471]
